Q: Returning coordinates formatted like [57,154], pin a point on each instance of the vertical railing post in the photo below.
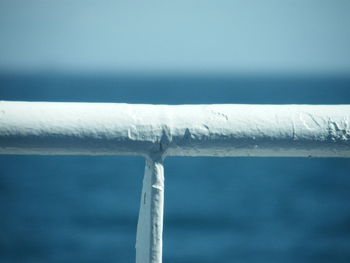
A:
[150,223]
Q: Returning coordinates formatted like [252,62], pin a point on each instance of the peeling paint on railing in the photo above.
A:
[187,130]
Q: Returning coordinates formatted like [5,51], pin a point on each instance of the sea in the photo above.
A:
[63,209]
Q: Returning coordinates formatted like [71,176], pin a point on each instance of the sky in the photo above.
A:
[176,36]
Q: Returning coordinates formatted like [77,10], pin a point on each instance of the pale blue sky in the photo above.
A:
[181,35]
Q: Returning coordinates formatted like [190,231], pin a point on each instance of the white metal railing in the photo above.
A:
[157,131]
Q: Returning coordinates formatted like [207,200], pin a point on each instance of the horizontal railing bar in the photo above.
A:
[174,130]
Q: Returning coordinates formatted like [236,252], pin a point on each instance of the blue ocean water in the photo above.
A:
[84,209]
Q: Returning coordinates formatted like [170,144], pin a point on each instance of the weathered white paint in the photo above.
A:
[156,131]
[186,130]
[150,223]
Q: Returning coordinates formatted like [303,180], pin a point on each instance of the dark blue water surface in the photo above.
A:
[84,209]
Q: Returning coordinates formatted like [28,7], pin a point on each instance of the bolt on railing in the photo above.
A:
[157,131]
